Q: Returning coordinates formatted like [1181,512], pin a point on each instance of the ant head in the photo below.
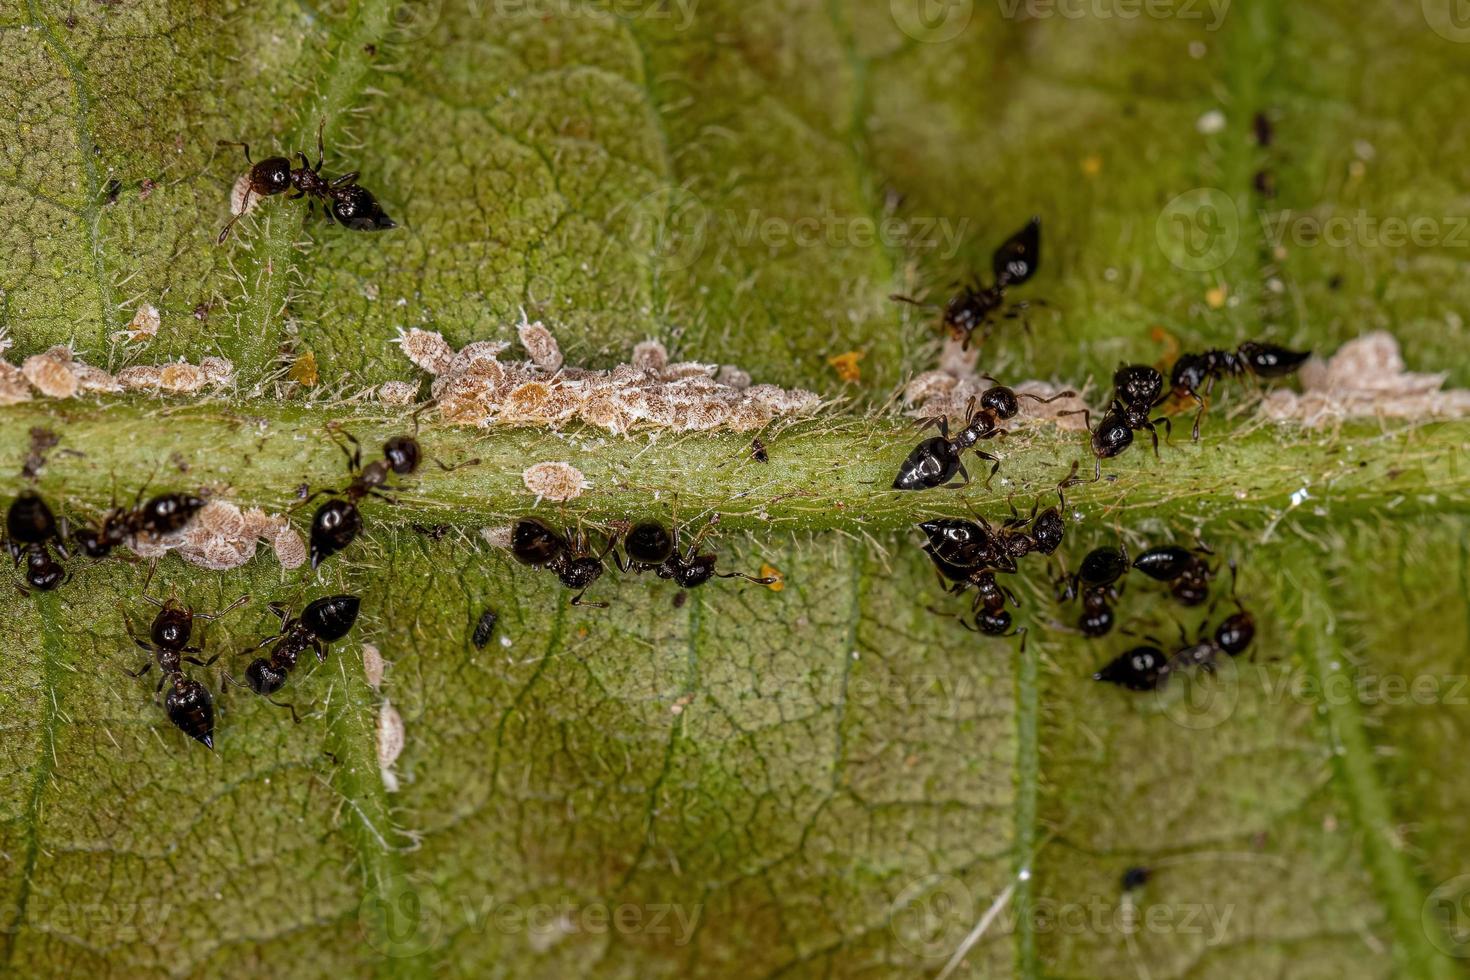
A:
[1048,530]
[271,176]
[1138,386]
[1112,435]
[172,626]
[1001,400]
[695,572]
[402,454]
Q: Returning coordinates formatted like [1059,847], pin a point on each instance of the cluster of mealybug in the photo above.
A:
[342,198]
[646,547]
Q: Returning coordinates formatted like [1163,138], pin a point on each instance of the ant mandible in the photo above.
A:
[975,306]
[343,198]
[934,462]
[188,704]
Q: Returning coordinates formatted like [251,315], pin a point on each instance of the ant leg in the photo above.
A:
[320,649]
[228,609]
[899,298]
[325,491]
[1154,435]
[225,231]
[320,153]
[291,708]
[993,470]
[964,476]
[353,454]
[140,671]
[1198,416]
[1069,393]
[201,663]
[152,567]
[243,146]
[1168,428]
[577,601]
[346,180]
[1073,479]
[765,580]
[1086,414]
[305,163]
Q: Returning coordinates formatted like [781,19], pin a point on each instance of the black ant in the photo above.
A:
[570,556]
[934,462]
[323,621]
[1096,582]
[338,522]
[165,514]
[1137,390]
[652,547]
[1195,371]
[1188,574]
[31,532]
[343,198]
[188,703]
[975,306]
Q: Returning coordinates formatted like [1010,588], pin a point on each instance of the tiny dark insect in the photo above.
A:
[484,629]
[1187,574]
[651,547]
[187,704]
[31,533]
[1137,390]
[1135,878]
[338,522]
[758,451]
[111,191]
[936,461]
[976,306]
[1193,372]
[1096,582]
[323,621]
[569,556]
[342,198]
[1139,669]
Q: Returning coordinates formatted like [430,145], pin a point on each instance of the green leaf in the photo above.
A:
[829,779]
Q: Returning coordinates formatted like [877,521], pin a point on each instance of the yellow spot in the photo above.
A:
[846,365]
[771,571]
[1092,165]
[1216,297]
[303,370]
